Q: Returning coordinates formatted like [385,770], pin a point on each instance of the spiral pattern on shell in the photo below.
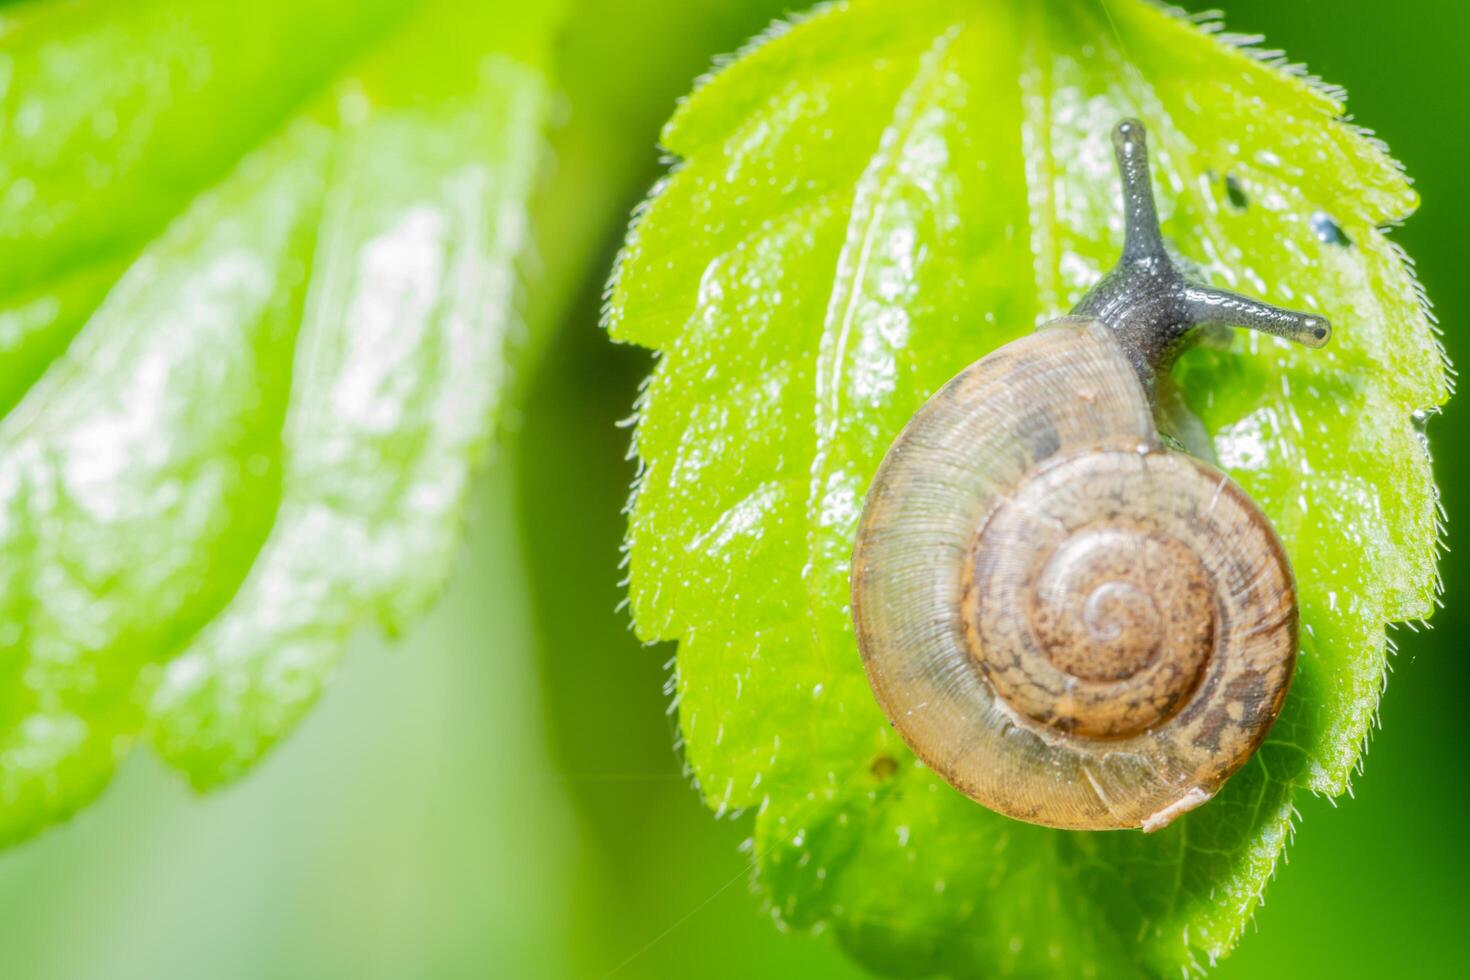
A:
[1072,624]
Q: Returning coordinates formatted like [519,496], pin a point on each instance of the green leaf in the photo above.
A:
[866,203]
[256,269]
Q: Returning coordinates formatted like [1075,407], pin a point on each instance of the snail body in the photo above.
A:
[1073,623]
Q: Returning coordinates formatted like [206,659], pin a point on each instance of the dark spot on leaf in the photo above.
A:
[1329,232]
[1236,193]
[884,766]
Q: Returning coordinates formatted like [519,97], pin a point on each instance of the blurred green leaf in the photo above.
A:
[256,272]
[865,204]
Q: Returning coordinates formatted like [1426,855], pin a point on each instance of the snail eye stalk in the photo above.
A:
[1143,241]
[1218,306]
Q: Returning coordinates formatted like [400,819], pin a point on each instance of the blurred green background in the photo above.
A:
[498,793]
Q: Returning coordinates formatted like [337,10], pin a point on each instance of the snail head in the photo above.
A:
[1150,304]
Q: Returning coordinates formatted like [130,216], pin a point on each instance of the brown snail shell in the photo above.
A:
[1112,626]
[1072,623]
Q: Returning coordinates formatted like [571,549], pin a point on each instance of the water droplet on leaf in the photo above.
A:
[1328,232]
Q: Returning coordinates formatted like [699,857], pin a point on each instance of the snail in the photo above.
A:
[1066,616]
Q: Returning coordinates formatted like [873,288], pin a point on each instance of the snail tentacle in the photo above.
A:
[1143,242]
[1210,306]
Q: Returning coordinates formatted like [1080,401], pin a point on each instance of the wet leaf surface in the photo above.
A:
[256,268]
